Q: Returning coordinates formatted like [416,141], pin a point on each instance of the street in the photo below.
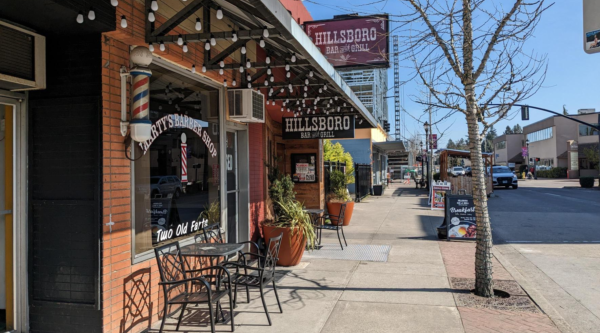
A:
[549,230]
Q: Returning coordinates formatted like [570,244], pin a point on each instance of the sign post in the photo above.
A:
[439,191]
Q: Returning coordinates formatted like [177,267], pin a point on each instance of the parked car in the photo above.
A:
[458,171]
[165,185]
[468,171]
[503,176]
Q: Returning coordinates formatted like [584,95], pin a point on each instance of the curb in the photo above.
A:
[535,295]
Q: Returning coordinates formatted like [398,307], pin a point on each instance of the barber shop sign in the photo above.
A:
[318,127]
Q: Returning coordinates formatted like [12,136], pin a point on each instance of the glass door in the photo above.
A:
[233,191]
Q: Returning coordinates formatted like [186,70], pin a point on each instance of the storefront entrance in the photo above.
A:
[237,186]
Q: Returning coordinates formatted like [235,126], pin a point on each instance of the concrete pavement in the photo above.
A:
[411,292]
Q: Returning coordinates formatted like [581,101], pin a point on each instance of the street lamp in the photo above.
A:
[422,162]
[426,126]
[527,144]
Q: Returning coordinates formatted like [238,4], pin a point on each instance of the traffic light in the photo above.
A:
[386,126]
[524,112]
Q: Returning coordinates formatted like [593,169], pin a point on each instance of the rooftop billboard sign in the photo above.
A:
[352,41]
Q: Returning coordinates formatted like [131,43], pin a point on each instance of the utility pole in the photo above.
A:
[397,109]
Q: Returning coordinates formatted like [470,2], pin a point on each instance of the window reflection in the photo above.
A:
[177,177]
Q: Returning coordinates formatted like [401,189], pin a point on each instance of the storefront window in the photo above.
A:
[176,174]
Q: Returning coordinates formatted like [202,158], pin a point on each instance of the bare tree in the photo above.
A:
[469,54]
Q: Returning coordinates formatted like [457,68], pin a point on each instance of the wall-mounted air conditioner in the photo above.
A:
[246,105]
[22,59]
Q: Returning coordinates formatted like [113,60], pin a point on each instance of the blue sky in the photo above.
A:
[572,77]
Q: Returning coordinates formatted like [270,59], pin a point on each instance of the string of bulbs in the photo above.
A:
[212,42]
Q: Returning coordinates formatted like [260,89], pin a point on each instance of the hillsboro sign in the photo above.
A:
[318,127]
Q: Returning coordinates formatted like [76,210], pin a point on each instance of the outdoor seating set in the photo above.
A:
[336,223]
[200,273]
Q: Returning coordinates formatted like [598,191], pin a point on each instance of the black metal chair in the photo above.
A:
[337,224]
[259,276]
[182,286]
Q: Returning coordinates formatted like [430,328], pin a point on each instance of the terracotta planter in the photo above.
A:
[334,209]
[292,247]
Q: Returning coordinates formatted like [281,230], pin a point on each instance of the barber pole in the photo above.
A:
[184,177]
[141,93]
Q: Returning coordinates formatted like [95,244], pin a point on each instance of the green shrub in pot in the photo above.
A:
[586,182]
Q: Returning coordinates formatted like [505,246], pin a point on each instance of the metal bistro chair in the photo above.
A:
[176,279]
[259,276]
[337,224]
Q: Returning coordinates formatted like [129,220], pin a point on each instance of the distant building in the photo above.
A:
[508,150]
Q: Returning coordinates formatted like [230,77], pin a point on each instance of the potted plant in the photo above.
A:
[291,220]
[339,195]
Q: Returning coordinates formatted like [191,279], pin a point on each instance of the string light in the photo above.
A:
[150,47]
[91,14]
[305,88]
[193,68]
[234,83]
[151,17]
[225,83]
[266,82]
[213,41]
[234,37]
[198,24]
[207,45]
[222,63]
[221,71]
[241,69]
[154,5]
[243,49]
[268,60]
[320,91]
[290,86]
[249,77]
[269,70]
[161,46]
[266,32]
[80,17]
[311,73]
[179,40]
[272,79]
[123,22]
[114,3]
[203,68]
[288,75]
[261,42]
[219,13]
[185,47]
[293,57]
[249,85]
[248,63]
[281,90]
[306,81]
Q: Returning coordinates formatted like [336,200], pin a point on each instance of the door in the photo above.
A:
[233,190]
[7,311]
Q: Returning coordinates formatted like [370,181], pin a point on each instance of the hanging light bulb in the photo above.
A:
[344,104]
[282,109]
[161,46]
[335,97]
[288,109]
[179,40]
[290,86]
[305,94]
[249,85]
[266,32]
[150,47]
[220,71]
[281,90]
[123,22]
[320,91]
[311,73]
[305,88]
[248,63]
[234,36]
[266,82]
[154,5]
[287,66]
[249,77]
[268,60]
[213,41]
[219,13]
[306,81]
[324,87]
[261,42]
[287,100]
[207,45]
[79,17]
[338,109]
[241,69]
[225,83]
[193,68]
[91,14]
[203,68]
[293,57]
[288,75]
[272,79]
[185,47]
[114,3]
[234,83]
[222,63]
[269,70]
[151,17]
[198,24]
[243,49]
[330,100]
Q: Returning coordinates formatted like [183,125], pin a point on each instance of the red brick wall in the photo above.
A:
[257,158]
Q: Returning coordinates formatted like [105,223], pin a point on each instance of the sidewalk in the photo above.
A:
[423,286]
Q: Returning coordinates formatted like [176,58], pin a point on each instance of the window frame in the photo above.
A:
[149,255]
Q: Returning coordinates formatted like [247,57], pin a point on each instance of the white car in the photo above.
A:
[502,176]
[457,171]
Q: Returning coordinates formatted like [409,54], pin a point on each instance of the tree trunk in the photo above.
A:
[483,254]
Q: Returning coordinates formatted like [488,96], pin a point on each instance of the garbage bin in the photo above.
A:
[377,189]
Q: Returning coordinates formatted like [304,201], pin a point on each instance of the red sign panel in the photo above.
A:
[433,141]
[352,42]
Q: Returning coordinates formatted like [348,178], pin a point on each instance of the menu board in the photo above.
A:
[438,194]
[304,168]
[461,222]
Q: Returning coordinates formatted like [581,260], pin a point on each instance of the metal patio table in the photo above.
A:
[313,212]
